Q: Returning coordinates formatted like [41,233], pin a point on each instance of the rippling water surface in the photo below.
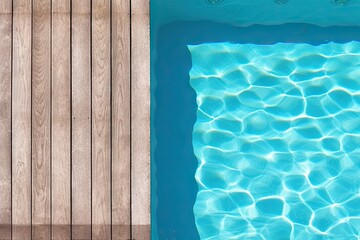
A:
[277,139]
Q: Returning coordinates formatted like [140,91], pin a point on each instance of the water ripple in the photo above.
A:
[277,139]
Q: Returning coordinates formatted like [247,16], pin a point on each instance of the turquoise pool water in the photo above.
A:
[275,156]
[277,139]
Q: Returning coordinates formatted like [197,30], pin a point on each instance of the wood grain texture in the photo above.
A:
[5,119]
[141,232]
[101,150]
[140,127]
[81,120]
[121,119]
[6,8]
[74,122]
[61,129]
[21,120]
[41,119]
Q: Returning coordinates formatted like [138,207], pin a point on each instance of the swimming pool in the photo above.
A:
[265,69]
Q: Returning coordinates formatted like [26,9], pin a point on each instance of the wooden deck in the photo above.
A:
[74,119]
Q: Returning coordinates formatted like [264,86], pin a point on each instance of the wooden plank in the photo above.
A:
[121,119]
[6,8]
[5,119]
[140,119]
[61,129]
[41,119]
[21,120]
[101,153]
[81,120]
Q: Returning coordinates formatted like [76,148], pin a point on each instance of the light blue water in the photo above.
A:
[277,140]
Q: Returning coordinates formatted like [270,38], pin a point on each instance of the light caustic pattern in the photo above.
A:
[277,139]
